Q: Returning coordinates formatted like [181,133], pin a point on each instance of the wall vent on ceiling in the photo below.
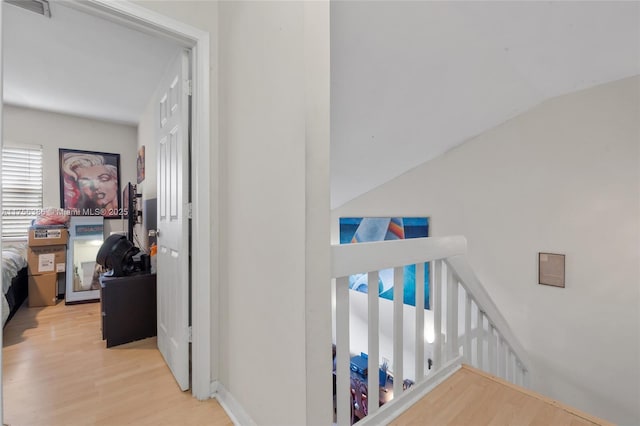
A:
[41,7]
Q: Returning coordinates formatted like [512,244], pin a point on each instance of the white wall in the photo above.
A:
[270,138]
[563,178]
[149,186]
[53,131]
[263,208]
[272,175]
[146,138]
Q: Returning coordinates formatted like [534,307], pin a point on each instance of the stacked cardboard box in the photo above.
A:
[46,257]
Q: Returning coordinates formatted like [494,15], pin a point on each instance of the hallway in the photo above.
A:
[57,371]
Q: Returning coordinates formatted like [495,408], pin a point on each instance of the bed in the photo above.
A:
[14,280]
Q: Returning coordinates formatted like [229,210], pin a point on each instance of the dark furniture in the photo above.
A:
[128,308]
[17,292]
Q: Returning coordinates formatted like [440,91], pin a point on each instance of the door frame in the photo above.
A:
[205,220]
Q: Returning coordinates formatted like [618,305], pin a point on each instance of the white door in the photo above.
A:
[173,219]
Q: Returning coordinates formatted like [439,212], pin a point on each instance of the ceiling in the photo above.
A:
[409,80]
[80,64]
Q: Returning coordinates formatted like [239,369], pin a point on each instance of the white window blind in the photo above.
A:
[21,189]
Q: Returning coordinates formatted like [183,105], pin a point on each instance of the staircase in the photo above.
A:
[465,327]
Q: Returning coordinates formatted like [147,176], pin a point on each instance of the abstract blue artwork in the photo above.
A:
[367,229]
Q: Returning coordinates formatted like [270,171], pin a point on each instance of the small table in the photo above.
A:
[129,310]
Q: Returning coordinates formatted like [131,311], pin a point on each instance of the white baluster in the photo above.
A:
[452,316]
[374,333]
[343,374]
[419,355]
[514,368]
[432,276]
[466,349]
[507,362]
[398,322]
[500,357]
[437,314]
[493,364]
[479,338]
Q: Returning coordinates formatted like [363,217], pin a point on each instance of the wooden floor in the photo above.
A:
[57,371]
[472,397]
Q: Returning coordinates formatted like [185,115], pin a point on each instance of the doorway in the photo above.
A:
[204,221]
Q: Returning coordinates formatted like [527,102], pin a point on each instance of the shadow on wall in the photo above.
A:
[563,385]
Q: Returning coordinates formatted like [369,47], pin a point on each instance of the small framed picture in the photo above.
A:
[140,164]
[551,269]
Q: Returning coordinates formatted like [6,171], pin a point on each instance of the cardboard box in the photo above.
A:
[48,237]
[43,290]
[46,259]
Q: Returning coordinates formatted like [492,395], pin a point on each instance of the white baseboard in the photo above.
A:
[234,410]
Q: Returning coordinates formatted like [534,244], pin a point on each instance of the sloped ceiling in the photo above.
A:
[411,80]
[79,64]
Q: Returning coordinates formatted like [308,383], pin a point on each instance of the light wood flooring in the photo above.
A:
[57,371]
[472,397]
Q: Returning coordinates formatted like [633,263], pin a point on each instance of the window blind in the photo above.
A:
[21,189]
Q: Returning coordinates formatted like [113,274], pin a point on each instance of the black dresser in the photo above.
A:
[128,308]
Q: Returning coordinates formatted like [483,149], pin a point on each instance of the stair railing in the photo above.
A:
[471,328]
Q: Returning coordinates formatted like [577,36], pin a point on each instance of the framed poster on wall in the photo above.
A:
[90,183]
[551,269]
[367,229]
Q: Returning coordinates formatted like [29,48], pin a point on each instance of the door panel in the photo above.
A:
[173,223]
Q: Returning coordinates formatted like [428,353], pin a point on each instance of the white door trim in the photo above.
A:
[1,146]
[205,219]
